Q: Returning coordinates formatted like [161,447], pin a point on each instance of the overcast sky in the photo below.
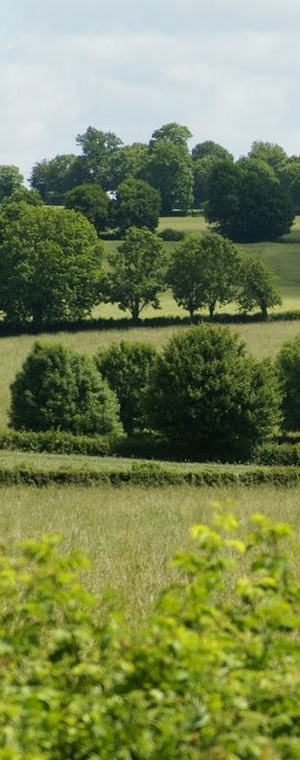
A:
[227,69]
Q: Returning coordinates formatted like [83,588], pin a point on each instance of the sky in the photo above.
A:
[227,69]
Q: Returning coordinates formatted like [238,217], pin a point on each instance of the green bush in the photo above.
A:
[57,441]
[126,367]
[288,364]
[210,397]
[58,389]
[171,235]
[214,673]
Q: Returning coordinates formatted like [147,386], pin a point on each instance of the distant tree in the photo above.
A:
[290,180]
[22,193]
[271,153]
[257,287]
[126,367]
[169,167]
[211,149]
[137,272]
[204,271]
[127,161]
[210,398]
[58,389]
[246,201]
[91,201]
[53,178]
[97,150]
[10,180]
[50,263]
[288,366]
[137,204]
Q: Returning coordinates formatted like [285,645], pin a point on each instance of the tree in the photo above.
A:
[211,149]
[91,201]
[50,263]
[210,398]
[57,389]
[127,161]
[203,271]
[53,178]
[246,201]
[257,287]
[98,149]
[126,367]
[288,366]
[169,167]
[137,204]
[137,272]
[11,179]
[271,153]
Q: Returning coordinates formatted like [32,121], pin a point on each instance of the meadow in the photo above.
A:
[130,533]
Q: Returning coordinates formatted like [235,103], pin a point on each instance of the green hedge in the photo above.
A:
[284,454]
[56,442]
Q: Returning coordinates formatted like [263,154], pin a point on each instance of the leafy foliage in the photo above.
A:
[211,675]
[126,367]
[50,263]
[257,286]
[208,394]
[57,389]
[137,204]
[91,201]
[288,365]
[204,270]
[136,277]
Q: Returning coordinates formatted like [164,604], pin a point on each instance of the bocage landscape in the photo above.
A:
[150,382]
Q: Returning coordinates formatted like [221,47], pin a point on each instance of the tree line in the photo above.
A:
[203,394]
[117,186]
[53,268]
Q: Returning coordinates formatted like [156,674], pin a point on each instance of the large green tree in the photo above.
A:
[210,398]
[50,263]
[54,177]
[137,272]
[246,201]
[204,271]
[98,147]
[137,204]
[169,167]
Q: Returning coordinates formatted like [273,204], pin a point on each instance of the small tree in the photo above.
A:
[127,367]
[204,271]
[210,397]
[257,287]
[137,204]
[61,390]
[137,274]
[288,365]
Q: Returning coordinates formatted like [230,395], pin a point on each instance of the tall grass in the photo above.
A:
[130,534]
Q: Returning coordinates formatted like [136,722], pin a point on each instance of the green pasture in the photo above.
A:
[130,534]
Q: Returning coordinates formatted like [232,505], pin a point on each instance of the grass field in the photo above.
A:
[130,534]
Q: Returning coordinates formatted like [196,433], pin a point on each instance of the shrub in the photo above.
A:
[126,367]
[171,235]
[61,390]
[288,364]
[213,674]
[209,395]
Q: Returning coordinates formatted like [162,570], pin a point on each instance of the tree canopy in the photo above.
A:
[137,272]
[50,263]
[137,204]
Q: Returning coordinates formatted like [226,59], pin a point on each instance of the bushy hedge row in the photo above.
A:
[149,474]
[56,442]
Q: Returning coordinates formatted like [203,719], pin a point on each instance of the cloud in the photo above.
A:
[227,69]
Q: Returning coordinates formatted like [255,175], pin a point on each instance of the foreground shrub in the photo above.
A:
[61,390]
[288,364]
[213,674]
[207,394]
[126,367]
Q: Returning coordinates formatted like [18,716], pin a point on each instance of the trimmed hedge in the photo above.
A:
[54,442]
